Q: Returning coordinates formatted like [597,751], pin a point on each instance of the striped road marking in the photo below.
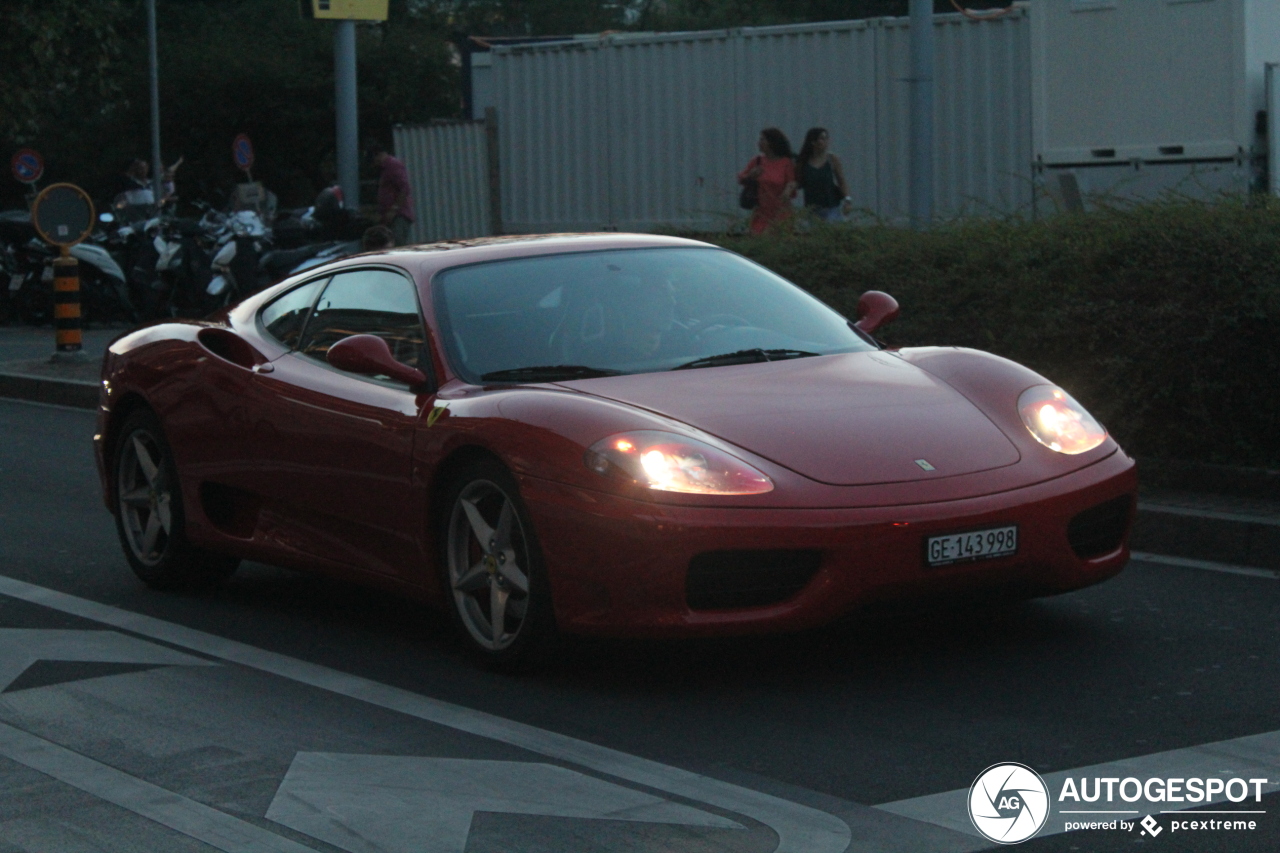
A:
[1207,565]
[800,828]
[195,820]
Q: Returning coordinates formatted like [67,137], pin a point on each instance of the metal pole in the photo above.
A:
[344,82]
[921,81]
[157,166]
[495,173]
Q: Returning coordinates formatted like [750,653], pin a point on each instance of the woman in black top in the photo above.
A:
[821,177]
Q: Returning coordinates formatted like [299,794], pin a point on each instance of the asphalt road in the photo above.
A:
[285,711]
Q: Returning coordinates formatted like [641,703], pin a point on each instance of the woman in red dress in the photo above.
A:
[774,170]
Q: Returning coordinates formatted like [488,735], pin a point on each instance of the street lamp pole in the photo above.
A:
[921,82]
[344,74]
[156,165]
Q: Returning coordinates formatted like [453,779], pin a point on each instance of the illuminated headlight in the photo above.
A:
[668,462]
[1059,422]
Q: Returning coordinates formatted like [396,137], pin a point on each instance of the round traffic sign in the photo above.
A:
[27,165]
[242,151]
[63,214]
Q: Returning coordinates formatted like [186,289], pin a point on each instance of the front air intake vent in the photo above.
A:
[1100,529]
[721,580]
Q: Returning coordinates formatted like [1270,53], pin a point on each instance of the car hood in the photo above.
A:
[846,420]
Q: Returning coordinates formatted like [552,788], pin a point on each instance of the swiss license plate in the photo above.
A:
[15,282]
[972,545]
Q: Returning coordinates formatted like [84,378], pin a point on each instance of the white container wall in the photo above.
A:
[670,130]
[448,165]
[799,77]
[1156,80]
[982,161]
[554,141]
[637,132]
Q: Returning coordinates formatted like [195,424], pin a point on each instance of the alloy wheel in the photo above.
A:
[488,559]
[145,497]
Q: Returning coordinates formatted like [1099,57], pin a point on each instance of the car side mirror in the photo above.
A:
[875,309]
[369,355]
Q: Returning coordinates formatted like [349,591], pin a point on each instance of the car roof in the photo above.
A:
[429,258]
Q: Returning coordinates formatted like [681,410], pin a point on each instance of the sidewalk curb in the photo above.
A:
[44,389]
[1221,537]
[1209,477]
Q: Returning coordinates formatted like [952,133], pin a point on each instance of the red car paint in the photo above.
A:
[288,461]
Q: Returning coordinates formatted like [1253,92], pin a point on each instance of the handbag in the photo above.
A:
[749,197]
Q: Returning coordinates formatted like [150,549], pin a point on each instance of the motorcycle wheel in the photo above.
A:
[34,302]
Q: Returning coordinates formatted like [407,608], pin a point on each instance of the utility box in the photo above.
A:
[1124,89]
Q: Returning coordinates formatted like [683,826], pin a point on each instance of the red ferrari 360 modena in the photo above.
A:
[598,434]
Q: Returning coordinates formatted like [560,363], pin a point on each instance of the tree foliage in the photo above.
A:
[226,67]
[528,17]
[563,17]
[75,83]
[55,51]
[707,14]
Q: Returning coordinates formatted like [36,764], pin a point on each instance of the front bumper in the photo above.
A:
[618,566]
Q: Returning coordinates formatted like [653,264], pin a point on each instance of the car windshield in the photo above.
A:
[604,313]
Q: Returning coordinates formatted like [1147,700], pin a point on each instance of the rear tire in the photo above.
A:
[150,519]
[492,565]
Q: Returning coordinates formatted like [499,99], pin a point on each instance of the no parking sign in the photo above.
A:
[242,151]
[27,166]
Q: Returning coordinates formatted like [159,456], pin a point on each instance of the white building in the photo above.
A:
[1059,103]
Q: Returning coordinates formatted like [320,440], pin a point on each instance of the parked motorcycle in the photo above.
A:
[29,262]
[243,239]
[185,267]
[282,263]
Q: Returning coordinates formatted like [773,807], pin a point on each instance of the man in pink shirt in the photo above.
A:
[395,201]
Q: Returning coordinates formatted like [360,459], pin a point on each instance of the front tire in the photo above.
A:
[149,513]
[499,600]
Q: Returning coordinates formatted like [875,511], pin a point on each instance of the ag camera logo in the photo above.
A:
[1008,803]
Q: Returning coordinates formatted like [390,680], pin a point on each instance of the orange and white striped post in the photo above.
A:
[63,215]
[66,304]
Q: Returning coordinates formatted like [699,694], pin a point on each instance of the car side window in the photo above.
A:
[367,302]
[285,317]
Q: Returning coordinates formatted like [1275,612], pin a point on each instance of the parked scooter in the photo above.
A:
[243,239]
[29,260]
[10,281]
[282,263]
[185,267]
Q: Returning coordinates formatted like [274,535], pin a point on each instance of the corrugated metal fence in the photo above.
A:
[635,132]
[448,165]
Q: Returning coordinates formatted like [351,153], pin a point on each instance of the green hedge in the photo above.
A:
[1161,318]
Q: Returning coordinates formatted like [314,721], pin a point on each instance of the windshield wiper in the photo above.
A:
[548,373]
[746,356]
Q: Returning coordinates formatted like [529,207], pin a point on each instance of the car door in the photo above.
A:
[334,449]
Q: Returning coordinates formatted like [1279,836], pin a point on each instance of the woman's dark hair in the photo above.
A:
[377,237]
[810,139]
[779,145]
